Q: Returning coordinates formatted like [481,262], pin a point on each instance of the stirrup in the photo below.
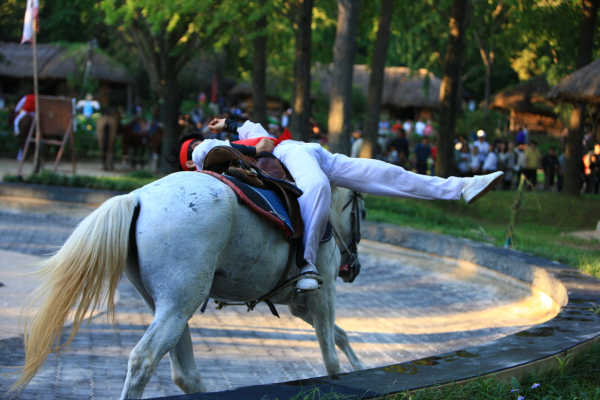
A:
[310,275]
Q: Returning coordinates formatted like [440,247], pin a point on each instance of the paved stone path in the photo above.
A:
[405,305]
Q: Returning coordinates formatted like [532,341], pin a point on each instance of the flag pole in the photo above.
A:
[38,132]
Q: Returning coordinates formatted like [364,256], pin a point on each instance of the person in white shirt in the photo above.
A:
[490,164]
[483,147]
[420,127]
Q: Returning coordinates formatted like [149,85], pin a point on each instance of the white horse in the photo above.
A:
[180,240]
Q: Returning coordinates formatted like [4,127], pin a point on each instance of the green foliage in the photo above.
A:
[121,183]
[574,379]
[540,232]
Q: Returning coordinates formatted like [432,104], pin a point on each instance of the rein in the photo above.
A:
[352,247]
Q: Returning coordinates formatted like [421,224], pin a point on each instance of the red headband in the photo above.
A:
[183,154]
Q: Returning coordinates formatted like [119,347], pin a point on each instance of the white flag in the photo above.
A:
[31,12]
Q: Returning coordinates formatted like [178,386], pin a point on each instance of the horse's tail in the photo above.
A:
[81,277]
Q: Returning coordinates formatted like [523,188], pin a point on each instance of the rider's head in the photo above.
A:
[181,156]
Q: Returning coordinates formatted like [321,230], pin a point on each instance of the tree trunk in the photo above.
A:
[300,121]
[344,52]
[259,72]
[380,49]
[449,95]
[169,103]
[574,149]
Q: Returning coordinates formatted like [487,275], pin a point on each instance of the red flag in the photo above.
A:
[31,12]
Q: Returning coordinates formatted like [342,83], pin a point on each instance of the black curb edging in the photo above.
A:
[574,330]
[57,193]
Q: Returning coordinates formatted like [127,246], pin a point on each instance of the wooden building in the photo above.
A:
[525,104]
[407,94]
[58,68]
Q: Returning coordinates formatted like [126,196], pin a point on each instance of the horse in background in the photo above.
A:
[107,128]
[137,135]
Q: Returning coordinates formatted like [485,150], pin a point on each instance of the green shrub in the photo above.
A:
[119,183]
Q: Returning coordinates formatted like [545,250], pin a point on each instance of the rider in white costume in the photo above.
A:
[314,169]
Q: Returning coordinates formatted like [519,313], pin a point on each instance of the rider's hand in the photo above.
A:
[265,145]
[216,125]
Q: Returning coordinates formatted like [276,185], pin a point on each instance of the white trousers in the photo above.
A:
[315,169]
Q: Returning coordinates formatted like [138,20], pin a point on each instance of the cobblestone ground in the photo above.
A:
[404,306]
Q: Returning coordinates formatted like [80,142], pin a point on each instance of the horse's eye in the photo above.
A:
[364,214]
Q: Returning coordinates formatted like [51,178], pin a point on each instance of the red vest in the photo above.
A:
[29,105]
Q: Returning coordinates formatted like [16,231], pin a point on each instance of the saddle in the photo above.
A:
[264,173]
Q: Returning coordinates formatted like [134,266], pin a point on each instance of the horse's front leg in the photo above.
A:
[320,313]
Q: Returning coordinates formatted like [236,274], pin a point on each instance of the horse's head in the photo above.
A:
[347,212]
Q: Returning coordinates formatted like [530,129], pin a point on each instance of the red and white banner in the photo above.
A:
[31,12]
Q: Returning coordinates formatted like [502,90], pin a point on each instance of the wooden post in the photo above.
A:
[38,132]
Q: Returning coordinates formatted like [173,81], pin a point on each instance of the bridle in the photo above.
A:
[352,247]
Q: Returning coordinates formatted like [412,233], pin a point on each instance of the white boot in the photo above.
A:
[474,188]
[309,282]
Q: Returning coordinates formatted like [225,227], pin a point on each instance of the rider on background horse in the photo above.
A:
[315,169]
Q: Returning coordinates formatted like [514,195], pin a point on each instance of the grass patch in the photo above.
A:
[541,226]
[571,380]
[126,183]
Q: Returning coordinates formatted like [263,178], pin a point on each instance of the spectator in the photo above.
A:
[464,160]
[507,162]
[285,118]
[490,164]
[422,153]
[25,106]
[88,106]
[475,167]
[197,114]
[533,157]
[397,125]
[428,131]
[400,143]
[420,127]
[521,136]
[483,147]
[408,125]
[521,161]
[384,127]
[591,162]
[551,167]
[357,142]
[561,170]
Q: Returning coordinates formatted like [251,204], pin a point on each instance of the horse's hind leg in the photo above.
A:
[184,372]
[164,333]
[341,340]
[183,367]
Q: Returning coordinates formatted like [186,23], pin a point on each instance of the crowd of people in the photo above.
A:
[479,156]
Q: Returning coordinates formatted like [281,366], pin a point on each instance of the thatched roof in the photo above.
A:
[528,96]
[402,87]
[58,62]
[582,86]
[241,90]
